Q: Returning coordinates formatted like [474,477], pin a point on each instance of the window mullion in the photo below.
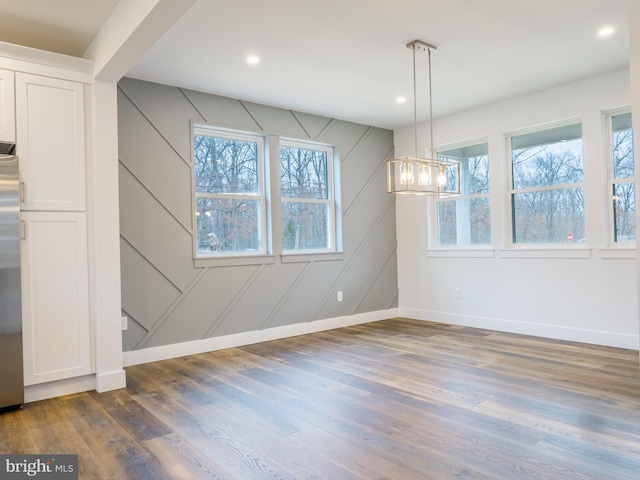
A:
[562,186]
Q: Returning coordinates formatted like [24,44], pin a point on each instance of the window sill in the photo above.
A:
[462,252]
[617,252]
[311,257]
[236,260]
[567,252]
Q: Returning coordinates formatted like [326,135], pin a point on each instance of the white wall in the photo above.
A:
[590,298]
[634,66]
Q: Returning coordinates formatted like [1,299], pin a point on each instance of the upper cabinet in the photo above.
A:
[7,107]
[51,142]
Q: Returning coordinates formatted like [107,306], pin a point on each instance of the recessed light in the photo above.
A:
[606,31]
[253,60]
[401,100]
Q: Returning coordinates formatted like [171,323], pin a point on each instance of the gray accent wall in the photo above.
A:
[166,297]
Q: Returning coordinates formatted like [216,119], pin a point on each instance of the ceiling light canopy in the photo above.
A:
[253,60]
[422,176]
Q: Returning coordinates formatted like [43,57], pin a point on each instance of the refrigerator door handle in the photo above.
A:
[22,189]
[24,230]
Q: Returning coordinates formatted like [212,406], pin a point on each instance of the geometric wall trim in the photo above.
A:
[168,299]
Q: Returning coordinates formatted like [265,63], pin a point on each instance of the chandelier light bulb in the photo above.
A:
[406,174]
[442,179]
[424,177]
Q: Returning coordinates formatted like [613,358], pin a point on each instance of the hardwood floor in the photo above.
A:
[397,399]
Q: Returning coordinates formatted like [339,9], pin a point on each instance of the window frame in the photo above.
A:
[457,197]
[539,249]
[261,196]
[333,224]
[612,181]
[270,205]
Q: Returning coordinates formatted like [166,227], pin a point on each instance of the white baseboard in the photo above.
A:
[595,337]
[58,388]
[101,382]
[110,381]
[154,354]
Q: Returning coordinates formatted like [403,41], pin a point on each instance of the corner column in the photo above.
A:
[104,238]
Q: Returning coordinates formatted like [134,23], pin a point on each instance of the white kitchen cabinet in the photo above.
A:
[7,107]
[50,119]
[57,333]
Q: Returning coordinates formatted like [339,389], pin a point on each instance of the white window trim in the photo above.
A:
[269,185]
[302,255]
[536,250]
[570,251]
[618,252]
[231,261]
[463,251]
[610,245]
[434,248]
[308,257]
[227,258]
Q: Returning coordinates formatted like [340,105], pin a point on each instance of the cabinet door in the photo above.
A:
[56,325]
[50,127]
[7,107]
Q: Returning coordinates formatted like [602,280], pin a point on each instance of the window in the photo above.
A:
[465,219]
[229,191]
[621,179]
[307,191]
[547,194]
[234,214]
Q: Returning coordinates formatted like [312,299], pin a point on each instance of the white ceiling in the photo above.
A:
[62,26]
[347,58]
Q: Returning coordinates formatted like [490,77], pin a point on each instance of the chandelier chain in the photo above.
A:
[415,105]
[430,109]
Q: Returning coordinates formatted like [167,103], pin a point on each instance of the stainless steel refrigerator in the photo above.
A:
[11,373]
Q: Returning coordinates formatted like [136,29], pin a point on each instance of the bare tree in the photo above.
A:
[226,166]
[624,205]
[544,214]
[303,175]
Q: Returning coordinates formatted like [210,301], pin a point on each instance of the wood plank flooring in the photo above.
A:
[396,399]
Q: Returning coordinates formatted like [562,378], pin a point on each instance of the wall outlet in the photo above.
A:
[458,293]
[339,296]
[125,323]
